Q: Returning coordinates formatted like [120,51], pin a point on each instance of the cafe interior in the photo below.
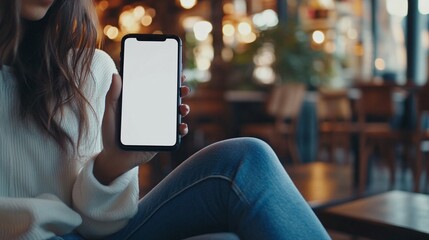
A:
[338,89]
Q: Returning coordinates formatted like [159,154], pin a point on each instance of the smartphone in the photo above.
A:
[149,104]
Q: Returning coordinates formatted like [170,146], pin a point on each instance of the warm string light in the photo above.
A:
[265,19]
[199,29]
[237,29]
[102,5]
[202,29]
[380,64]
[130,20]
[188,4]
[318,37]
[228,30]
[263,60]
[111,32]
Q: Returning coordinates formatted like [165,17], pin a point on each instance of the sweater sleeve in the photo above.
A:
[104,209]
[42,217]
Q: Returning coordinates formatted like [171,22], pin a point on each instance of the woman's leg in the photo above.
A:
[236,185]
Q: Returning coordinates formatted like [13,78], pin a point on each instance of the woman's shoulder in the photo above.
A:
[103,62]
[102,69]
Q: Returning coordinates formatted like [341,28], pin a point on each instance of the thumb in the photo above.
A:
[110,118]
[114,91]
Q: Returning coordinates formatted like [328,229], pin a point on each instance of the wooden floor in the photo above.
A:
[320,183]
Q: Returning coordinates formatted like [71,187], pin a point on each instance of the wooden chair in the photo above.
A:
[287,118]
[266,130]
[375,112]
[334,113]
[283,105]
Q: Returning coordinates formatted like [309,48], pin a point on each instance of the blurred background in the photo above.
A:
[336,87]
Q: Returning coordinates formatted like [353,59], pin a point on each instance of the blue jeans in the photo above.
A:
[236,185]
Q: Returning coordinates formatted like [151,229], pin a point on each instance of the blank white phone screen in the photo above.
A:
[149,94]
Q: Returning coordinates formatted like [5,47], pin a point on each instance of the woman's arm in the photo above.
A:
[36,218]
[104,209]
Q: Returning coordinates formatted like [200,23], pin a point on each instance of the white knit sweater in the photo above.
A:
[42,193]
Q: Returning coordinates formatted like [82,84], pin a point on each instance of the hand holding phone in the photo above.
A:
[150,98]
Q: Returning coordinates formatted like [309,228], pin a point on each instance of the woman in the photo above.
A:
[62,174]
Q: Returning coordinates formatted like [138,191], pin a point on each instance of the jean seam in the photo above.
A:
[234,187]
[239,193]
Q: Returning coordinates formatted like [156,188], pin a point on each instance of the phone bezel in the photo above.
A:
[152,37]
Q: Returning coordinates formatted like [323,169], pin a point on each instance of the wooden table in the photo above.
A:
[390,215]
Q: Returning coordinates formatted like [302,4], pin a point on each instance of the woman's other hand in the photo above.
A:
[184,108]
[112,161]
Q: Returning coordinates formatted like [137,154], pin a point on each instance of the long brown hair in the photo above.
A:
[51,59]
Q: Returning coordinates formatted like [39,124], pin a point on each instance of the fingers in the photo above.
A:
[184,110]
[183,129]
[184,91]
[114,91]
[111,102]
[110,117]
